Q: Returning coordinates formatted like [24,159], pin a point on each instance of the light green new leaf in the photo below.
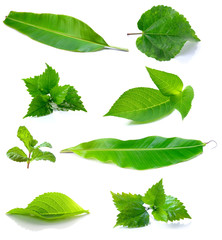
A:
[175,209]
[40,155]
[142,105]
[183,101]
[45,144]
[169,84]
[25,136]
[50,206]
[145,153]
[39,106]
[59,93]
[155,196]
[160,215]
[164,33]
[58,31]
[17,154]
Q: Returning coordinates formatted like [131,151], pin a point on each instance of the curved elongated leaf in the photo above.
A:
[164,33]
[25,136]
[50,206]
[141,105]
[17,154]
[59,31]
[145,153]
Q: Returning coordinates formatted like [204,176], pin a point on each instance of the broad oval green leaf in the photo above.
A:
[37,155]
[17,154]
[142,105]
[59,31]
[164,33]
[145,153]
[50,206]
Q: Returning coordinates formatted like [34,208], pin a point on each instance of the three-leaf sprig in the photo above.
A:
[34,152]
[134,209]
[48,95]
[145,105]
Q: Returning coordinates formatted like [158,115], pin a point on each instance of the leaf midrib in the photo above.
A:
[55,32]
[135,149]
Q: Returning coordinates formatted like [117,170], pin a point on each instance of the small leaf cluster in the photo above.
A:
[135,213]
[48,95]
[34,151]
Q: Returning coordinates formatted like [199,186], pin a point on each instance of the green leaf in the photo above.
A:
[160,215]
[50,206]
[59,93]
[164,33]
[32,85]
[72,101]
[58,31]
[155,196]
[39,106]
[142,105]
[183,101]
[17,154]
[25,136]
[48,80]
[45,144]
[126,201]
[132,212]
[175,209]
[145,153]
[40,155]
[169,84]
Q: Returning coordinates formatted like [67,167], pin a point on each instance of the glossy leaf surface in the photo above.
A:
[59,31]
[50,206]
[164,33]
[141,105]
[146,153]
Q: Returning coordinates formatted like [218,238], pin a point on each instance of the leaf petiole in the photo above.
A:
[128,34]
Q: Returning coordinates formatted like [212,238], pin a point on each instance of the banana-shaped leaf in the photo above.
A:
[59,31]
[50,206]
[146,153]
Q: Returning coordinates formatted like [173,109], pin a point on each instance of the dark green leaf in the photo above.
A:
[141,105]
[40,155]
[155,196]
[72,101]
[25,136]
[59,93]
[164,33]
[169,84]
[58,31]
[32,85]
[132,212]
[39,106]
[175,209]
[183,101]
[17,154]
[146,153]
[50,206]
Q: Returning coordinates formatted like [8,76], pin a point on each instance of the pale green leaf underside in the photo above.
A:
[164,33]
[50,206]
[141,105]
[169,84]
[59,31]
[45,144]
[40,155]
[146,153]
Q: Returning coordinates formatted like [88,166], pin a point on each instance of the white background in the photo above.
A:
[100,79]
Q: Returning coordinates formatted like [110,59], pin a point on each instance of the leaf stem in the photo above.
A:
[128,34]
[28,162]
[120,49]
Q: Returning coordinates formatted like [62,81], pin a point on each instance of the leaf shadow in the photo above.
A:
[188,50]
[37,224]
[178,225]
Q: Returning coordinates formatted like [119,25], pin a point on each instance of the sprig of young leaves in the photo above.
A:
[34,152]
[48,95]
[144,105]
[135,213]
[164,33]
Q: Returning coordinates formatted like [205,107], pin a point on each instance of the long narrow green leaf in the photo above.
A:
[146,153]
[59,31]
